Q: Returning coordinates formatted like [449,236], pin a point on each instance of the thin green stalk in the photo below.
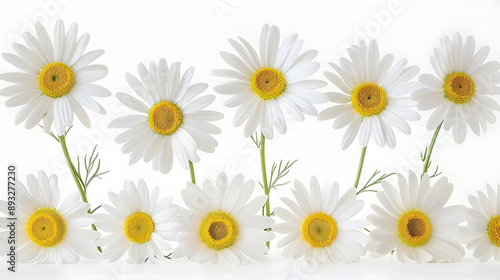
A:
[360,167]
[62,140]
[431,147]
[72,169]
[264,175]
[191,171]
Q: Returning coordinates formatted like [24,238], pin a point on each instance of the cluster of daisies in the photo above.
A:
[220,220]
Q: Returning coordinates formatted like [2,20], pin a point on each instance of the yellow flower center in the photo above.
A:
[46,227]
[56,79]
[139,227]
[268,83]
[368,99]
[218,230]
[494,230]
[459,87]
[165,117]
[414,228]
[319,230]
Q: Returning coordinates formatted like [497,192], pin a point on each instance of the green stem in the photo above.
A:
[191,171]
[62,140]
[264,175]
[431,147]
[72,169]
[360,167]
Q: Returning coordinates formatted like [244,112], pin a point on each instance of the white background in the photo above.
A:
[193,32]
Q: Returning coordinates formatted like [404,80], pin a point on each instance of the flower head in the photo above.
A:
[483,224]
[414,221]
[267,85]
[220,225]
[50,232]
[138,223]
[171,117]
[55,81]
[459,93]
[320,226]
[373,98]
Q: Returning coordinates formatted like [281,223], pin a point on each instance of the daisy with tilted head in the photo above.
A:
[49,232]
[220,225]
[319,226]
[266,85]
[415,223]
[373,98]
[459,94]
[138,223]
[483,225]
[172,118]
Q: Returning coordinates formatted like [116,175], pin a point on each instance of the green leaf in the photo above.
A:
[278,172]
[90,167]
[371,183]
[255,139]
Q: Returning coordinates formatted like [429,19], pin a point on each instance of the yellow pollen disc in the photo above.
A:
[319,230]
[218,230]
[165,117]
[139,227]
[494,230]
[56,79]
[268,83]
[368,99]
[46,227]
[414,228]
[459,87]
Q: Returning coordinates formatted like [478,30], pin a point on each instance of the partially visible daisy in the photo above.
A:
[48,232]
[415,223]
[483,224]
[459,94]
[267,85]
[319,226]
[56,79]
[374,96]
[220,225]
[171,118]
[138,223]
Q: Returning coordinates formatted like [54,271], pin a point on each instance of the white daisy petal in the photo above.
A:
[20,63]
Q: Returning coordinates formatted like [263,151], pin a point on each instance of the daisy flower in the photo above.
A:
[48,232]
[138,223]
[220,225]
[459,92]
[266,86]
[171,118]
[415,223]
[373,98]
[319,226]
[55,81]
[483,224]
